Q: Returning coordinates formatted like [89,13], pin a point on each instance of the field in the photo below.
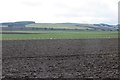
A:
[23,35]
[58,26]
[60,58]
[59,54]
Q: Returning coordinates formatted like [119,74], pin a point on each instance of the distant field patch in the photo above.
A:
[57,26]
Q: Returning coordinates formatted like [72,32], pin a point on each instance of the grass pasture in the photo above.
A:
[59,35]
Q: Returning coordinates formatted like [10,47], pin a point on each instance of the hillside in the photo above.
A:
[31,25]
[75,26]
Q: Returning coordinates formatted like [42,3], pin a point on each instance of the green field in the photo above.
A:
[58,26]
[59,35]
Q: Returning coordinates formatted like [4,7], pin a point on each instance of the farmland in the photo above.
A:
[60,58]
[60,54]
[74,26]
[30,30]
[59,51]
[58,26]
[24,35]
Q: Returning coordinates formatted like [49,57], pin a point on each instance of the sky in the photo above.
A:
[60,11]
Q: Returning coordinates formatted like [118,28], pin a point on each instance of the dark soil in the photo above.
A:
[82,58]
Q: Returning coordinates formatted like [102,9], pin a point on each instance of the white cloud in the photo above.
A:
[88,11]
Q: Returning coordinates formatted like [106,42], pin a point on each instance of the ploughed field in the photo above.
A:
[60,58]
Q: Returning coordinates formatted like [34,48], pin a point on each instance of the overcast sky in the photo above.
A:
[58,11]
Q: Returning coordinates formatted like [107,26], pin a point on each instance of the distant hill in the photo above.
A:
[31,25]
[17,24]
[77,26]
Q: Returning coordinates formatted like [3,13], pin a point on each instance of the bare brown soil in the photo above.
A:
[82,58]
